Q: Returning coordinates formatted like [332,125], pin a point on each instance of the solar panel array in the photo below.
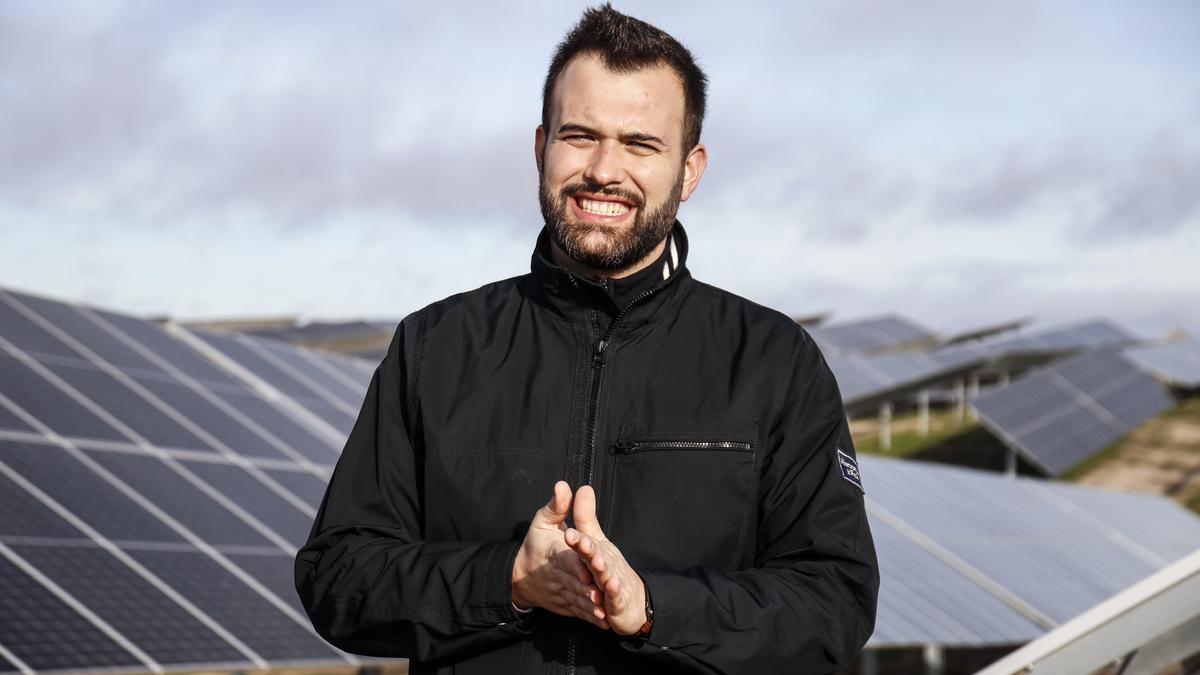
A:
[866,378]
[1062,414]
[1176,363]
[972,558]
[1085,335]
[155,484]
[870,335]
[151,501]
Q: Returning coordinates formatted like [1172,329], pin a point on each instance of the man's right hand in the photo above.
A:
[548,573]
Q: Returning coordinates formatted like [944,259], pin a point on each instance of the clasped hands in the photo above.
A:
[577,571]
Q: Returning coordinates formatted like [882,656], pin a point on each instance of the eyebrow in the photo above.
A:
[631,136]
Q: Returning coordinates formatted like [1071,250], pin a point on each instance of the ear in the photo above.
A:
[693,169]
[539,146]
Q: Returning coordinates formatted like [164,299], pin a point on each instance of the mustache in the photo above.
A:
[597,189]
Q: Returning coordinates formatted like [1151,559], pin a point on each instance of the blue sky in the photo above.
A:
[955,162]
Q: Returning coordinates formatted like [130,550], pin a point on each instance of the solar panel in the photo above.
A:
[276,571]
[9,419]
[129,602]
[68,320]
[304,485]
[1096,334]
[220,422]
[127,407]
[1064,413]
[72,484]
[19,330]
[49,404]
[869,335]
[162,452]
[1177,363]
[347,396]
[235,606]
[159,342]
[246,353]
[267,506]
[1057,549]
[865,378]
[923,600]
[182,500]
[46,634]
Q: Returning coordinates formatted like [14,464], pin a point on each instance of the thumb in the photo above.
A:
[585,512]
[555,511]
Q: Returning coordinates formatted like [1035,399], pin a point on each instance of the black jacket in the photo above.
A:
[710,427]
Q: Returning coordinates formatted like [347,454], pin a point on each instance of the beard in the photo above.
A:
[618,249]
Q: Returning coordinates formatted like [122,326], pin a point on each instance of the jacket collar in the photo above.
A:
[571,295]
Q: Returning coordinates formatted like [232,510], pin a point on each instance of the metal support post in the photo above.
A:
[960,400]
[885,426]
[972,394]
[923,412]
[935,662]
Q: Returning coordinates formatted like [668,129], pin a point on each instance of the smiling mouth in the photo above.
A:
[601,207]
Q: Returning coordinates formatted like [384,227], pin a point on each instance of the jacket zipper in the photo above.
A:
[599,348]
[626,447]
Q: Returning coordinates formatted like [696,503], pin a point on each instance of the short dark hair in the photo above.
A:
[626,44]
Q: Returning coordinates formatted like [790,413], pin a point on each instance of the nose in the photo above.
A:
[605,165]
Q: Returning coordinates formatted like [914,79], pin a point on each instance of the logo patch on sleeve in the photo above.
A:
[849,468]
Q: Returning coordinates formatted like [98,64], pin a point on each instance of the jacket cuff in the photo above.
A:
[497,591]
[669,606]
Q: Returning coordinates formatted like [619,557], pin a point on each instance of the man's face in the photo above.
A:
[612,167]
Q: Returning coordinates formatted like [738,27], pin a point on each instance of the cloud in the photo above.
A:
[1096,193]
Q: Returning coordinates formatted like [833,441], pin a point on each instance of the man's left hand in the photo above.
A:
[624,592]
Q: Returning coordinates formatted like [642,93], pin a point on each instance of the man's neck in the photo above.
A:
[570,264]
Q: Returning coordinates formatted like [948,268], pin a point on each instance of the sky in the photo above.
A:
[957,163]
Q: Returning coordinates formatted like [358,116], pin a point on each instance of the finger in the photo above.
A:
[571,536]
[585,512]
[555,511]
[612,588]
[580,569]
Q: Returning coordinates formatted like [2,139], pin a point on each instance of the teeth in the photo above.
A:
[602,208]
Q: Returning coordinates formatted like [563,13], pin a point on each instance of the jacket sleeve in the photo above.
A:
[368,581]
[808,604]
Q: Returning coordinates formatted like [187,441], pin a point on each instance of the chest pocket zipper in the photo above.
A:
[629,446]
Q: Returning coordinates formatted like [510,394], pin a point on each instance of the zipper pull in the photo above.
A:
[598,353]
[624,445]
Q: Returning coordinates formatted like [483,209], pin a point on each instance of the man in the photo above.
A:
[717,520]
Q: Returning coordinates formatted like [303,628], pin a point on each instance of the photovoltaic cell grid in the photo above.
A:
[1176,363]
[151,499]
[1064,413]
[1054,549]
[869,335]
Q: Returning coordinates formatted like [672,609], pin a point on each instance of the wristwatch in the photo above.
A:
[644,631]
